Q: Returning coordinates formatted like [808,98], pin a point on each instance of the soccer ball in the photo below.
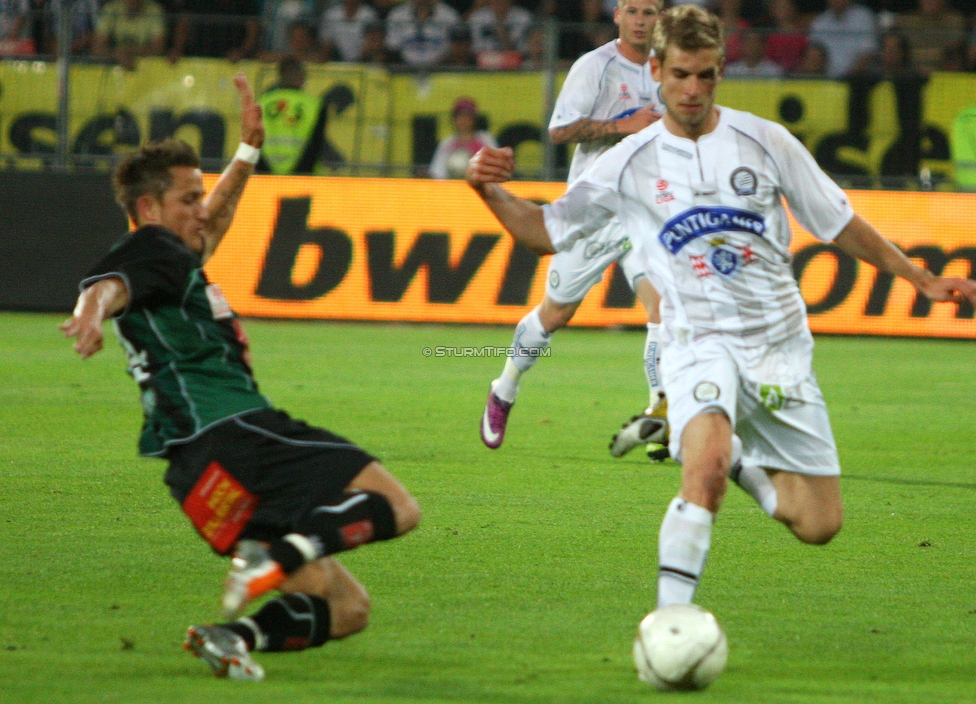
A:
[680,647]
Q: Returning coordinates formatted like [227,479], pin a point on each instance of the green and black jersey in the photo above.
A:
[184,345]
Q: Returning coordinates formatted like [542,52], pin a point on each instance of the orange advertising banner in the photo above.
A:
[429,251]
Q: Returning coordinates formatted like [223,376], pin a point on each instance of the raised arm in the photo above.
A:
[95,305]
[222,201]
[522,218]
[586,130]
[861,240]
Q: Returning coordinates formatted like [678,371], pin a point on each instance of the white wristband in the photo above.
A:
[245,152]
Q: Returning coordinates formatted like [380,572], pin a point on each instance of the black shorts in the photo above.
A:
[290,466]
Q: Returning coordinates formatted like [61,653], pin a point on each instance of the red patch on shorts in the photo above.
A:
[219,507]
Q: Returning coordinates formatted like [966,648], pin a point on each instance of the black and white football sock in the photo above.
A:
[359,517]
[289,622]
[529,341]
[686,535]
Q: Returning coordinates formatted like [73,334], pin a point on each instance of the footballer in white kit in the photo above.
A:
[601,85]
[700,194]
[608,93]
[709,225]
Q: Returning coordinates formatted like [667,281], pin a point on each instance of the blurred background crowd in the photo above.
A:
[765,38]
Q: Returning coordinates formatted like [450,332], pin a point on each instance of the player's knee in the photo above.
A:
[554,316]
[406,513]
[819,532]
[350,614]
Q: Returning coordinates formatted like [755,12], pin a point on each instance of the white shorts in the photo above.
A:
[769,393]
[574,272]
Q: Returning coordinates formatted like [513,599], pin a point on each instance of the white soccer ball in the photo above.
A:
[680,647]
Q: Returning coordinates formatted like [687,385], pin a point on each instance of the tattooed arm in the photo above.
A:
[586,130]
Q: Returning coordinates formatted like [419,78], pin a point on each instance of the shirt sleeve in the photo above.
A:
[578,94]
[589,204]
[817,202]
[155,269]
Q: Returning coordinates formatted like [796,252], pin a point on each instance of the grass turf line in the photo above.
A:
[534,562]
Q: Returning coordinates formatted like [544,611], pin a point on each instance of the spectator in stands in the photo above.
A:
[735,27]
[374,44]
[301,44]
[343,27]
[572,42]
[277,18]
[384,7]
[216,28]
[954,58]
[929,30]
[894,58]
[419,31]
[454,151]
[460,53]
[14,26]
[45,17]
[784,44]
[499,31]
[849,33]
[813,62]
[753,63]
[130,29]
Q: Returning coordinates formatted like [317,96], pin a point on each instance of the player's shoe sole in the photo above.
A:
[224,651]
[649,428]
[494,420]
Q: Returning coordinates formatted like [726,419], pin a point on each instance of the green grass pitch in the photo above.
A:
[534,563]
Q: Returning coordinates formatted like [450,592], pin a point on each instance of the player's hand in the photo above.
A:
[89,336]
[490,166]
[252,124]
[952,289]
[638,120]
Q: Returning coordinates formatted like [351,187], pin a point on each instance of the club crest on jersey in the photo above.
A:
[624,93]
[724,259]
[708,220]
[744,181]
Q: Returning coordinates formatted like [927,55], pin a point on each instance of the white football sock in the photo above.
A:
[755,482]
[652,358]
[529,335]
[686,534]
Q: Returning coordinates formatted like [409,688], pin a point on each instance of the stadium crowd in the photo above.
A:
[765,38]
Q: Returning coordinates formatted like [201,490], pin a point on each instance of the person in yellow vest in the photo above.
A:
[963,146]
[294,123]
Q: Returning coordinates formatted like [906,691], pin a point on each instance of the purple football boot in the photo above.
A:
[494,419]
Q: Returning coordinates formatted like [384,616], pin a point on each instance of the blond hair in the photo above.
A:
[689,28]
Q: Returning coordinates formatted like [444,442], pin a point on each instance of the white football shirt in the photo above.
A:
[602,85]
[708,221]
